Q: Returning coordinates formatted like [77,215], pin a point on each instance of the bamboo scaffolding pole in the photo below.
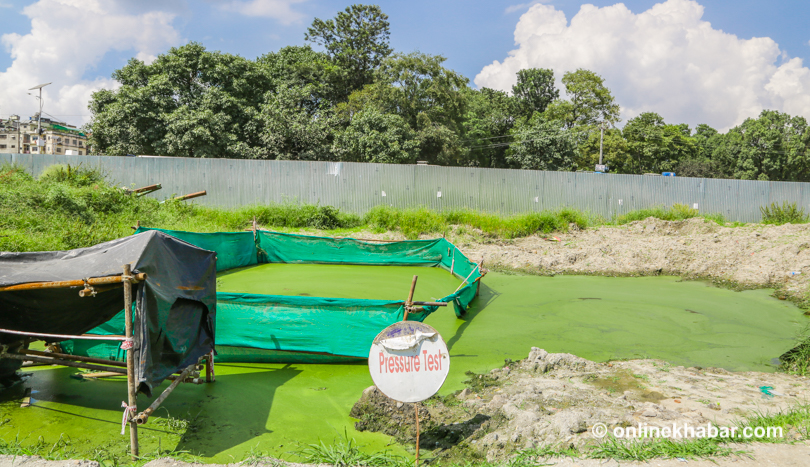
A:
[93,291]
[131,386]
[191,195]
[105,374]
[142,417]
[409,301]
[57,361]
[416,406]
[75,283]
[147,189]
[425,303]
[77,358]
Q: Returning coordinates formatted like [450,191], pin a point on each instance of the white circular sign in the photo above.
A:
[409,361]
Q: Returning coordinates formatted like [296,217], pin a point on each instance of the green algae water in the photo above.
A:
[278,409]
[339,281]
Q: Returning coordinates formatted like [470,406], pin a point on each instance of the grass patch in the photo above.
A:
[797,359]
[786,213]
[346,453]
[73,206]
[677,212]
[644,450]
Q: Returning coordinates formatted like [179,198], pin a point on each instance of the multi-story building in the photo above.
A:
[18,136]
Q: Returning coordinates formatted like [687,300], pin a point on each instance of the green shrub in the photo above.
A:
[682,211]
[797,359]
[786,213]
[73,175]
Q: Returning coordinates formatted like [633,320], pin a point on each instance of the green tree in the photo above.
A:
[614,151]
[297,66]
[534,90]
[702,164]
[356,39]
[293,128]
[372,136]
[189,102]
[589,101]
[772,147]
[488,118]
[541,144]
[654,146]
[416,84]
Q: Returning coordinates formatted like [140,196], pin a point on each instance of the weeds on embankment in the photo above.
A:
[73,206]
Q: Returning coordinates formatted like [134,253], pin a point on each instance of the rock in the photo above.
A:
[649,413]
[465,393]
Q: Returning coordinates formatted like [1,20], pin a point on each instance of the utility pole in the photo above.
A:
[601,140]
[39,117]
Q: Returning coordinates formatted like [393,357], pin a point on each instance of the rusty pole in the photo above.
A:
[132,392]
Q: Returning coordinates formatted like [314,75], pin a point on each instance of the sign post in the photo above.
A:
[409,362]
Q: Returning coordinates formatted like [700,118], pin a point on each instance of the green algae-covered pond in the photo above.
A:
[279,409]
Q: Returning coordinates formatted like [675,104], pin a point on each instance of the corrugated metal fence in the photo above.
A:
[357,187]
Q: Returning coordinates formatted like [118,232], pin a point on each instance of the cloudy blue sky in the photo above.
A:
[692,61]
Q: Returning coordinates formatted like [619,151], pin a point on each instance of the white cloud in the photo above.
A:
[68,38]
[665,60]
[276,9]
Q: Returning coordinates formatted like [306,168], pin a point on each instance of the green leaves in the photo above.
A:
[541,144]
[356,39]
[534,90]
[373,136]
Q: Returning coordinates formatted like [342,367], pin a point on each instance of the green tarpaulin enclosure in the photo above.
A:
[281,328]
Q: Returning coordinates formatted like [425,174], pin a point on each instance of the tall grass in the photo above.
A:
[346,453]
[786,213]
[797,359]
[72,206]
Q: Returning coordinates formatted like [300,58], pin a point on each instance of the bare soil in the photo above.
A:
[556,400]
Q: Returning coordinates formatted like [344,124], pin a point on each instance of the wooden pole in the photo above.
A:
[57,361]
[147,189]
[75,283]
[191,195]
[409,302]
[132,390]
[144,416]
[425,303]
[416,406]
[77,358]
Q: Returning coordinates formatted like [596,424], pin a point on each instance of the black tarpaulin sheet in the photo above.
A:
[176,305]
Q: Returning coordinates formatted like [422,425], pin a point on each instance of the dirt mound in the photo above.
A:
[752,255]
[556,400]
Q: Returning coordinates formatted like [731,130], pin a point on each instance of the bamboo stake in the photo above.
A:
[142,417]
[106,374]
[75,283]
[57,361]
[409,302]
[26,402]
[132,391]
[415,406]
[93,291]
[77,358]
[425,303]
[191,195]
[147,189]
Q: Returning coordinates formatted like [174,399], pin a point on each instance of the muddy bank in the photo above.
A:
[557,400]
[752,255]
